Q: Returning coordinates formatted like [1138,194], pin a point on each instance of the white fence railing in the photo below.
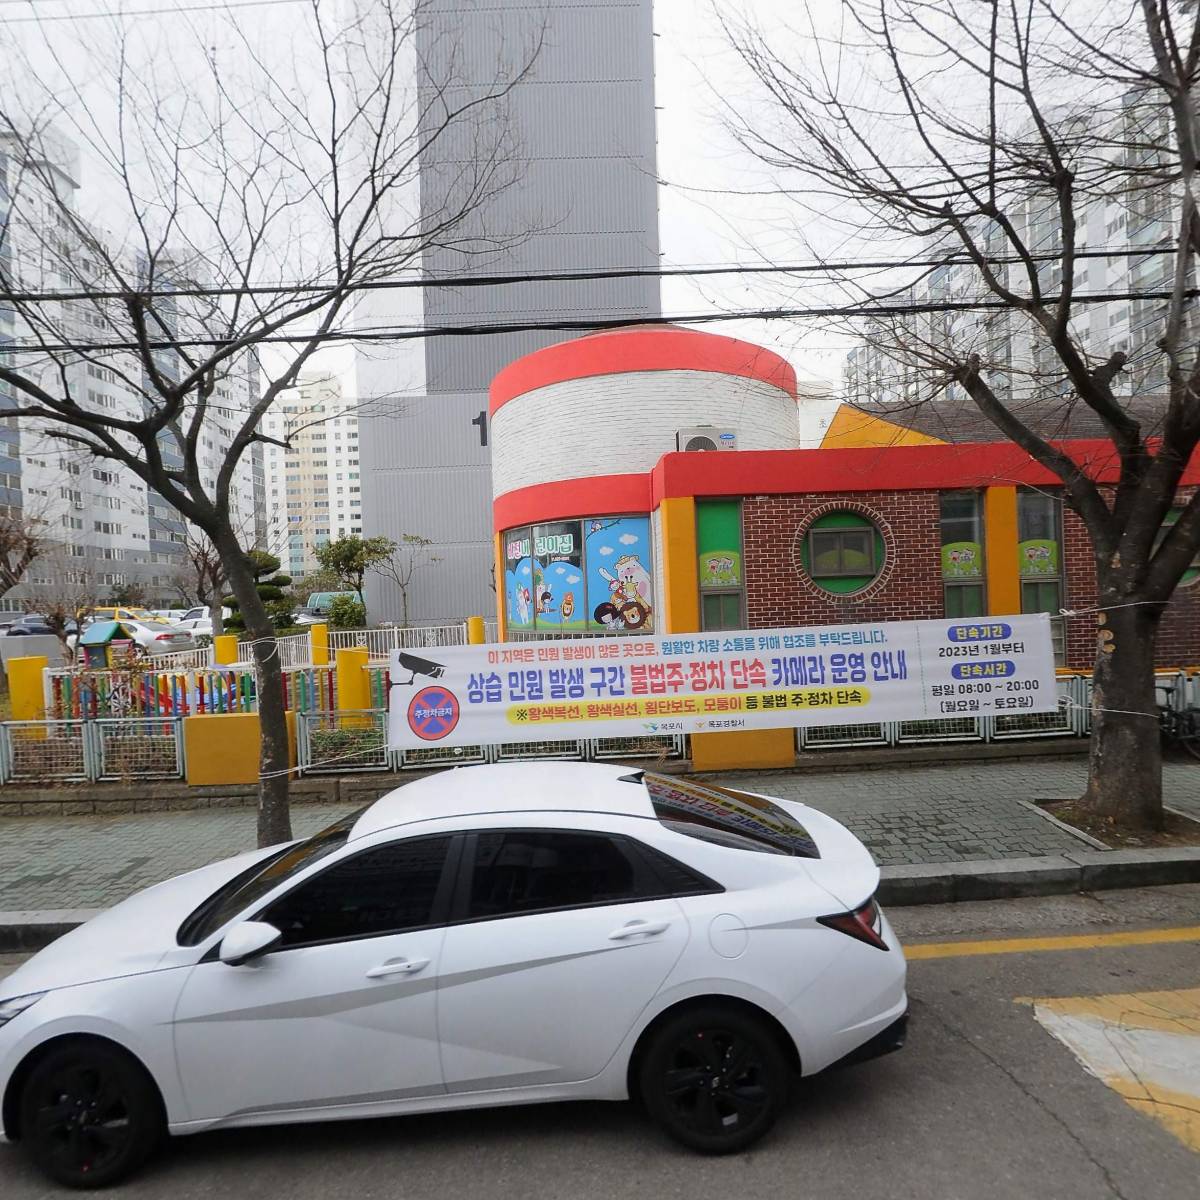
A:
[381,642]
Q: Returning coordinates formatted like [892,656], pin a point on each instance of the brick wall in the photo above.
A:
[1178,642]
[778,592]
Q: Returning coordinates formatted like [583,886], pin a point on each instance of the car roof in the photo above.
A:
[508,787]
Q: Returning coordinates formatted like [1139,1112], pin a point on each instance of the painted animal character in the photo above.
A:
[523,603]
[568,606]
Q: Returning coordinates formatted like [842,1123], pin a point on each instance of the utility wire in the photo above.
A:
[404,334]
[119,15]
[470,281]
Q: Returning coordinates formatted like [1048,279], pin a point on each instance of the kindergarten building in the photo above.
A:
[648,480]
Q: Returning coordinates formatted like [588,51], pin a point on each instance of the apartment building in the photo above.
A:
[313,486]
[105,529]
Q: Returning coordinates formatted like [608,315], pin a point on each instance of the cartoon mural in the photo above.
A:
[962,559]
[1038,556]
[619,588]
[558,576]
[518,579]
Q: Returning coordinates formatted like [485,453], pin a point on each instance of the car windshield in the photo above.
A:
[727,817]
[251,885]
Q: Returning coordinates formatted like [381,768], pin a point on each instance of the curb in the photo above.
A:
[1047,875]
[921,883]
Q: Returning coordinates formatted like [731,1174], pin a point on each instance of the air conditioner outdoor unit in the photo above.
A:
[706,437]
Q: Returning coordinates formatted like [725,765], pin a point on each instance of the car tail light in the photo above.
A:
[864,923]
[165,637]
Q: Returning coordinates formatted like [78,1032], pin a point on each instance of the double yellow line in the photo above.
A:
[915,951]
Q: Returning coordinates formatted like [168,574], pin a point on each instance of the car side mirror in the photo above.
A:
[246,941]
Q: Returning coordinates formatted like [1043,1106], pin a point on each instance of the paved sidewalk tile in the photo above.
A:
[904,814]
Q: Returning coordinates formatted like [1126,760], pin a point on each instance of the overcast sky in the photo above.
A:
[701,220]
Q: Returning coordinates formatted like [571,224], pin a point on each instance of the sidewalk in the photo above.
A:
[906,815]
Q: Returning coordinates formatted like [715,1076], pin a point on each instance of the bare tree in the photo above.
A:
[256,179]
[22,539]
[408,556]
[203,581]
[64,592]
[1000,132]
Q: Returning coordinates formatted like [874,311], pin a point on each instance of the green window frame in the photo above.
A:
[843,552]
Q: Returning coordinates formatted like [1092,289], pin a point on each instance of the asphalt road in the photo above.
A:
[985,1103]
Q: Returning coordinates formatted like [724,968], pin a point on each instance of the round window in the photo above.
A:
[842,552]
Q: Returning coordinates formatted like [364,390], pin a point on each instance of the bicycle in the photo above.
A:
[1180,726]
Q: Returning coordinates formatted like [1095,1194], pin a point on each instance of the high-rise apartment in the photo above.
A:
[104,529]
[581,128]
[313,486]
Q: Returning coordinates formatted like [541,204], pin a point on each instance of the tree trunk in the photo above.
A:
[216,614]
[1125,757]
[274,813]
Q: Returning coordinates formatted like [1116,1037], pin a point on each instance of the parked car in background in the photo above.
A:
[168,614]
[317,607]
[8,619]
[201,613]
[123,613]
[198,626]
[36,623]
[158,638]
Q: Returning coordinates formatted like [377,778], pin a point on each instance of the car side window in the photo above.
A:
[386,890]
[517,871]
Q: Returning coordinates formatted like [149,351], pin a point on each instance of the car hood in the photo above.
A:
[131,938]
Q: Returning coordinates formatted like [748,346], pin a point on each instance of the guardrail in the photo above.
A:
[381,642]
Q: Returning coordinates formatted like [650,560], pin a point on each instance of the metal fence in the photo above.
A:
[77,751]
[379,643]
[87,740]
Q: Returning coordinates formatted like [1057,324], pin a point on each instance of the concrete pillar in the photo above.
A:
[1000,550]
[225,649]
[319,641]
[25,688]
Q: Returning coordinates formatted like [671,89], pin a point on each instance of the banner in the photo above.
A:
[712,682]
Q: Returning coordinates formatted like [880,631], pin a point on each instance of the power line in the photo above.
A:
[404,334]
[145,12]
[470,281]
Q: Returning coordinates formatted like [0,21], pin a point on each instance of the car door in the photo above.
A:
[560,939]
[343,1011]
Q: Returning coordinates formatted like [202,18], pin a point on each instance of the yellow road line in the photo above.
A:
[1032,945]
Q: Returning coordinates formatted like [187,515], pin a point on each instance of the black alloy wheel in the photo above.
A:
[90,1115]
[714,1079]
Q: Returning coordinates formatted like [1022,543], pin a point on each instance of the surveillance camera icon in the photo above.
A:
[418,666]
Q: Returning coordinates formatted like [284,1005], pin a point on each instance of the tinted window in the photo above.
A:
[718,814]
[251,885]
[527,871]
[673,877]
[385,890]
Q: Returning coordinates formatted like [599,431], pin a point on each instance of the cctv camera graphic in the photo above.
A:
[418,666]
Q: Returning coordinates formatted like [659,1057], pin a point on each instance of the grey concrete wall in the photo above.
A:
[579,136]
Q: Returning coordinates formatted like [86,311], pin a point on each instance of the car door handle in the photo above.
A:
[639,929]
[398,966]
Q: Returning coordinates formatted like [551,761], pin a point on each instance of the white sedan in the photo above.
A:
[504,934]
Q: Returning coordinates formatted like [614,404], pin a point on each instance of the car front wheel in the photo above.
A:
[90,1115]
[714,1079]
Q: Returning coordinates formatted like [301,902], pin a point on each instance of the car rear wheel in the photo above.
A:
[714,1079]
[90,1115]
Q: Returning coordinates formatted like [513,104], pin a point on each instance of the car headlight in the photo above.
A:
[17,1005]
